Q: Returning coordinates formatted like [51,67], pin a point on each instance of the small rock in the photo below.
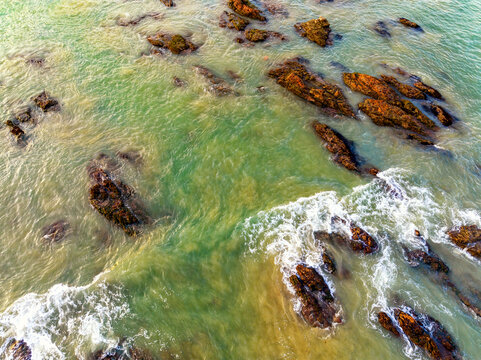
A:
[168,3]
[19,350]
[316,30]
[178,82]
[56,231]
[177,44]
[25,116]
[246,8]
[256,35]
[233,21]
[218,86]
[410,24]
[45,102]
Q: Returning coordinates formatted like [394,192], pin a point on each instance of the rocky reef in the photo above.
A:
[316,30]
[428,90]
[232,21]
[295,77]
[360,241]
[318,306]
[467,238]
[246,8]
[46,102]
[406,90]
[177,44]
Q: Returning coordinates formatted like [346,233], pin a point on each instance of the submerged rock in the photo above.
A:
[177,44]
[428,90]
[316,30]
[246,8]
[55,232]
[114,200]
[295,77]
[406,90]
[468,238]
[410,24]
[132,156]
[443,116]
[417,257]
[25,116]
[218,86]
[45,102]
[276,8]
[318,307]
[256,35]
[19,350]
[360,241]
[233,21]
[381,28]
[387,323]
[337,145]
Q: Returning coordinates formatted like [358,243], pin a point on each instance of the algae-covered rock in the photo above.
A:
[443,116]
[337,145]
[428,90]
[370,86]
[257,35]
[387,323]
[316,30]
[410,24]
[246,8]
[177,44]
[406,90]
[468,238]
[45,102]
[295,77]
[233,21]
[218,86]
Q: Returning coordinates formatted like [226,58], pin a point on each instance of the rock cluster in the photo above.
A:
[177,44]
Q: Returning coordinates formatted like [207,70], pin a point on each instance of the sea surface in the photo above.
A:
[235,184]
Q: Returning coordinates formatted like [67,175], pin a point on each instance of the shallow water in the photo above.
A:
[236,184]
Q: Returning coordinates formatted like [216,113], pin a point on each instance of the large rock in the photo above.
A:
[19,350]
[295,77]
[370,86]
[45,102]
[218,86]
[233,21]
[337,145]
[177,44]
[428,90]
[406,90]
[246,8]
[316,30]
[468,238]
[387,323]
[318,307]
[114,200]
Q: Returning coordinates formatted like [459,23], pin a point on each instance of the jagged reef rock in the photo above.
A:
[177,44]
[25,116]
[370,86]
[316,30]
[45,102]
[443,116]
[387,323]
[19,350]
[360,241]
[328,263]
[418,257]
[218,86]
[410,24]
[246,8]
[428,90]
[406,90]
[115,201]
[468,238]
[55,232]
[318,307]
[295,77]
[233,21]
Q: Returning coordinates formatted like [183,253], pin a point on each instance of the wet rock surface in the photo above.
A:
[218,86]
[177,44]
[25,116]
[116,202]
[46,102]
[19,350]
[387,323]
[337,145]
[418,257]
[406,90]
[246,8]
[55,232]
[232,21]
[316,30]
[256,35]
[295,77]
[370,86]
[318,308]
[443,116]
[168,3]
[121,353]
[360,241]
[410,24]
[328,263]
[17,132]
[428,90]
[468,238]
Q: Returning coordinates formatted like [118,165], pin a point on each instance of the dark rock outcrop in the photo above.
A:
[418,257]
[428,90]
[410,24]
[318,307]
[178,82]
[316,30]
[387,323]
[328,263]
[114,200]
[177,44]
[218,86]
[360,241]
[246,8]
[55,232]
[295,77]
[19,350]
[337,145]
[381,28]
[233,21]
[406,90]
[17,132]
[468,238]
[443,116]
[45,102]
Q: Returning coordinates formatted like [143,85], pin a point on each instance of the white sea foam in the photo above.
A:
[48,322]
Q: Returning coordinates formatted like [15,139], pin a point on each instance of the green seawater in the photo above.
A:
[235,184]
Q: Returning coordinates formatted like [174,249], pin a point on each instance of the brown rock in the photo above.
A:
[469,238]
[337,145]
[409,23]
[386,322]
[314,281]
[406,90]
[177,44]
[256,35]
[56,231]
[370,86]
[295,77]
[329,264]
[45,102]
[218,86]
[168,3]
[246,8]
[233,21]
[19,350]
[25,116]
[408,107]
[362,241]
[428,90]
[443,116]
[316,30]
[417,257]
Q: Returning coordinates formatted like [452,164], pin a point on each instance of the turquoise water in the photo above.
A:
[235,184]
